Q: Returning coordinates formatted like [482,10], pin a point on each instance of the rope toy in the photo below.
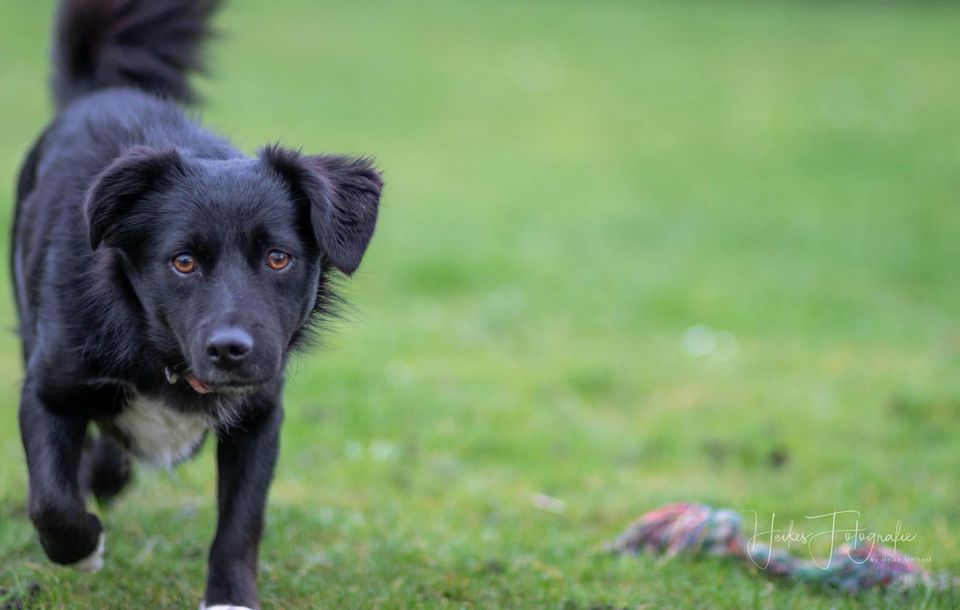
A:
[696,530]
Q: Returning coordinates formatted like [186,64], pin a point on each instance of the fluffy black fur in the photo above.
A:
[116,191]
[120,43]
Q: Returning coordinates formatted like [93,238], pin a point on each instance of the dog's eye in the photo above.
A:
[184,263]
[277,259]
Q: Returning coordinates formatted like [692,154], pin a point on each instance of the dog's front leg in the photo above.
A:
[246,456]
[53,441]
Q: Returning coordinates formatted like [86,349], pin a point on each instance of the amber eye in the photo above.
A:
[185,263]
[277,259]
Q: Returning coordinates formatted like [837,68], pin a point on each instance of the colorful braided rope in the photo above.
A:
[698,530]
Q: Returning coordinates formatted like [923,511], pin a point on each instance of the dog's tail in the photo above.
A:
[151,45]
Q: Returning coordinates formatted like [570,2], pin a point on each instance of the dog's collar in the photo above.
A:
[171,374]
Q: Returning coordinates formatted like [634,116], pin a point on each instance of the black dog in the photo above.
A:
[162,280]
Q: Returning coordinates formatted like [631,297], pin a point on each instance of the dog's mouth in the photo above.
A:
[204,387]
[198,386]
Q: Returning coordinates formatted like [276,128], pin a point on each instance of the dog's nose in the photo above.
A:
[228,347]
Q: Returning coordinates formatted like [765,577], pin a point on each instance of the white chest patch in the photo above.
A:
[159,435]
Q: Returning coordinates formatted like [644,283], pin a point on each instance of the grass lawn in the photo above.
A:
[571,188]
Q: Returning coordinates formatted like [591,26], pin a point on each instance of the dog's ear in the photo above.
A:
[342,195]
[118,188]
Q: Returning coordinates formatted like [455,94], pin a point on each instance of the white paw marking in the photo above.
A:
[94,561]
[204,606]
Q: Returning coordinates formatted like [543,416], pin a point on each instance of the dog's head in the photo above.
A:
[227,257]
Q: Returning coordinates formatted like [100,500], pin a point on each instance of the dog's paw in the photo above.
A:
[94,561]
[204,606]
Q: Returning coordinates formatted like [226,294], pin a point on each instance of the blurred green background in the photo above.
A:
[630,253]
